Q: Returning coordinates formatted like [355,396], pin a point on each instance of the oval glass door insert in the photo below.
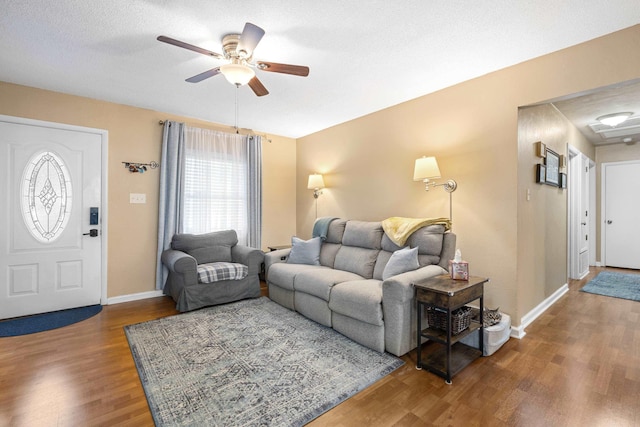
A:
[46,196]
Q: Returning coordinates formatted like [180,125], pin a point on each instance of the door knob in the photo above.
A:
[93,233]
[609,221]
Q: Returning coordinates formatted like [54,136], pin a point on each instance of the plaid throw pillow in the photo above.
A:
[217,271]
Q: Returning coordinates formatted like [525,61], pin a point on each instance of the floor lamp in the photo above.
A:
[426,169]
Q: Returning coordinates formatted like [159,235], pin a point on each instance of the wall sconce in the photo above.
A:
[426,170]
[315,183]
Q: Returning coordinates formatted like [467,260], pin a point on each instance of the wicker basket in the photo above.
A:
[460,319]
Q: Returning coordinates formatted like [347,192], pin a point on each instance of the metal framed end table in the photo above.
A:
[448,355]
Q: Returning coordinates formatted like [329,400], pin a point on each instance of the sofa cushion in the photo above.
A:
[219,271]
[429,241]
[388,245]
[381,263]
[363,234]
[359,299]
[283,274]
[336,231]
[208,247]
[328,253]
[360,261]
[400,262]
[305,251]
[319,283]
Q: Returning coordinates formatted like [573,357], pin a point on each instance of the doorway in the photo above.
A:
[581,221]
[53,220]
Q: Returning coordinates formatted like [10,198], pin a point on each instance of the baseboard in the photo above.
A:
[134,297]
[527,319]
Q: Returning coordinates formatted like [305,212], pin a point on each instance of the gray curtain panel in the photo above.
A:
[171,204]
[254,166]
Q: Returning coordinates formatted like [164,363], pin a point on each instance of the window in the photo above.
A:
[215,183]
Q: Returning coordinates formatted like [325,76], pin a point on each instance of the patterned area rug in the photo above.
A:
[251,362]
[618,285]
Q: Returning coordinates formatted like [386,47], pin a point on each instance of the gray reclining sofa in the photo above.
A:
[345,289]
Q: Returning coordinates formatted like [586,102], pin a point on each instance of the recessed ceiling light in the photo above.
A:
[614,119]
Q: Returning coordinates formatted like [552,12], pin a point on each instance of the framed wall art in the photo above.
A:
[552,164]
[563,180]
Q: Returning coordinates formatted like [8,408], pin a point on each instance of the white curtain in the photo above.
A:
[221,173]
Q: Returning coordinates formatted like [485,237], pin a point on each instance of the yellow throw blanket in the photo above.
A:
[399,229]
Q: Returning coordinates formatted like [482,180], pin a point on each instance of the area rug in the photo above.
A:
[618,285]
[248,363]
[46,321]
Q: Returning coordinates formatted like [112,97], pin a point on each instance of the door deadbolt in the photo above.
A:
[93,233]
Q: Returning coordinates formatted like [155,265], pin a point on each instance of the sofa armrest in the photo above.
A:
[400,287]
[251,257]
[181,264]
[275,257]
[399,308]
[178,261]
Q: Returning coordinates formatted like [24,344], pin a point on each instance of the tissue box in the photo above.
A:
[459,270]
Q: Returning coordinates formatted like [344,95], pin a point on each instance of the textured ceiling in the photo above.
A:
[364,56]
[583,109]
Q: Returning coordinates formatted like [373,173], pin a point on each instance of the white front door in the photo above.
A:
[50,184]
[621,187]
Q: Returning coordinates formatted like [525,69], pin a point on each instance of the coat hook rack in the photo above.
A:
[140,167]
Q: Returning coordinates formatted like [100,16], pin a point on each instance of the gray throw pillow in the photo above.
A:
[305,251]
[401,261]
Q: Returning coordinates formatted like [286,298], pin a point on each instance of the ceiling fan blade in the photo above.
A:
[200,77]
[184,45]
[257,87]
[249,39]
[274,67]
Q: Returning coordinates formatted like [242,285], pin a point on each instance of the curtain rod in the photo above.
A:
[265,136]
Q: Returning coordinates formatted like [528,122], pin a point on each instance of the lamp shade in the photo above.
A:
[315,181]
[237,74]
[426,168]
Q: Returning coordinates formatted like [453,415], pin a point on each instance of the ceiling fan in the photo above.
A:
[238,53]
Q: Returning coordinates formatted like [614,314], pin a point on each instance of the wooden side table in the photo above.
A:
[444,293]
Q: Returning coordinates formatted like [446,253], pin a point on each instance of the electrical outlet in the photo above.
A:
[137,198]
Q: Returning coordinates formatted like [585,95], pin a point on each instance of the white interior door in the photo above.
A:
[579,214]
[50,182]
[584,217]
[621,187]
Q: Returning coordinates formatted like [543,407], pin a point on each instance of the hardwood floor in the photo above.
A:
[578,365]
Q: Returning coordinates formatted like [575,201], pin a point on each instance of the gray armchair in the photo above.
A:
[210,269]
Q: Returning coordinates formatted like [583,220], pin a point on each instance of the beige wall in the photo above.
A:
[136,136]
[542,218]
[472,128]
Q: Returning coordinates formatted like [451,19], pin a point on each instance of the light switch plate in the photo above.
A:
[137,198]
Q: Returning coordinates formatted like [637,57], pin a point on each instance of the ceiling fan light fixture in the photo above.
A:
[237,74]
[614,119]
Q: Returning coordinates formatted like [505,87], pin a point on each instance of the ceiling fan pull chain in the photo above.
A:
[237,88]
